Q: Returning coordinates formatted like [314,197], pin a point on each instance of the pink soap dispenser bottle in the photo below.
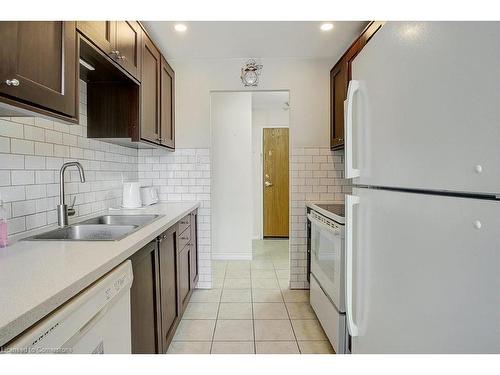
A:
[3,225]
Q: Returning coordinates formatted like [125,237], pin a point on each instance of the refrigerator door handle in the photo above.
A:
[350,171]
[351,201]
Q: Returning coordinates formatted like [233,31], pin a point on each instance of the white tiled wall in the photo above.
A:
[183,175]
[316,174]
[32,151]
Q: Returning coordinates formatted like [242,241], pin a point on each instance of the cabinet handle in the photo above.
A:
[184,238]
[12,82]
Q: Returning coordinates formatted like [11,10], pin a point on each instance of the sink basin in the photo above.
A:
[79,232]
[120,219]
[100,228]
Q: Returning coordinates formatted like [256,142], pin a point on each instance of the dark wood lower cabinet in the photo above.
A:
[184,278]
[167,245]
[193,262]
[164,277]
[144,301]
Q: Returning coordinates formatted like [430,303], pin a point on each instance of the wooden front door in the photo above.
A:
[275,181]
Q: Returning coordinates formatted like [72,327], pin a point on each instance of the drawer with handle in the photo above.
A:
[184,223]
[184,239]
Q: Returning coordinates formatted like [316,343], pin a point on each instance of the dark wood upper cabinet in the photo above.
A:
[120,40]
[144,301]
[340,75]
[39,67]
[168,285]
[150,92]
[101,33]
[167,123]
[128,47]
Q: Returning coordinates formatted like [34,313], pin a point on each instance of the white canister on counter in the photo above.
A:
[149,195]
[131,195]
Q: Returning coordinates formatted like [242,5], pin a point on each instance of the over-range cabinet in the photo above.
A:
[130,85]
[165,274]
[422,238]
[133,105]
[340,75]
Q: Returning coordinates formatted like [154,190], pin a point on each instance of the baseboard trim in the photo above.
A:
[231,256]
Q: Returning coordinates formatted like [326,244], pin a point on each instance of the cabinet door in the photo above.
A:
[184,278]
[193,262]
[167,132]
[340,75]
[168,285]
[128,46]
[144,301]
[38,65]
[150,91]
[338,92]
[101,33]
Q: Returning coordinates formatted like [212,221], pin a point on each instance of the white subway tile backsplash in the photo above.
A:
[12,193]
[23,208]
[32,151]
[45,149]
[9,161]
[22,177]
[183,176]
[21,146]
[33,133]
[11,129]
[4,144]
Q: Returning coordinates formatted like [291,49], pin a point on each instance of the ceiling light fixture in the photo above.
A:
[326,26]
[250,73]
[180,27]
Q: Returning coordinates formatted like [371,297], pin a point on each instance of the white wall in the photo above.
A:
[262,118]
[231,118]
[308,82]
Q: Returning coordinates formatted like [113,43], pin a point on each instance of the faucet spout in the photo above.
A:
[62,209]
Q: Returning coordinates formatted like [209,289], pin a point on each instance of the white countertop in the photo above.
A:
[36,277]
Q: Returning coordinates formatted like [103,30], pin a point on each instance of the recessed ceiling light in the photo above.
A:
[180,27]
[326,26]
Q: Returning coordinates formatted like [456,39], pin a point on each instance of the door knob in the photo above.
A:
[267,183]
[12,82]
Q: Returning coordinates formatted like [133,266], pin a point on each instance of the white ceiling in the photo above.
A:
[269,99]
[262,39]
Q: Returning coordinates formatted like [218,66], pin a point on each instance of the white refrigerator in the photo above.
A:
[422,137]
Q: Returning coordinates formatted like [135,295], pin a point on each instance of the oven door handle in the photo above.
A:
[322,225]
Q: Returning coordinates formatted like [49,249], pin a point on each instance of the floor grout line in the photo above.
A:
[289,318]
[218,309]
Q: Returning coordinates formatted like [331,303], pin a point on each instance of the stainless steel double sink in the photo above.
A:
[100,228]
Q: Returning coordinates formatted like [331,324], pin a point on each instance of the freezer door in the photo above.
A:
[426,112]
[426,273]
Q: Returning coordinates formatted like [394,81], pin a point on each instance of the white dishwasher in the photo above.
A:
[95,321]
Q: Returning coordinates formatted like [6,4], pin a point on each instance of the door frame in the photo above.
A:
[261,174]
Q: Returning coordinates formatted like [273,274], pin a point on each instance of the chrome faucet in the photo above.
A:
[62,209]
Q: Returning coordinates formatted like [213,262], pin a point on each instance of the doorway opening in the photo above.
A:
[250,182]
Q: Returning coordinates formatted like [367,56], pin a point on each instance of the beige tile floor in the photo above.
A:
[251,310]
